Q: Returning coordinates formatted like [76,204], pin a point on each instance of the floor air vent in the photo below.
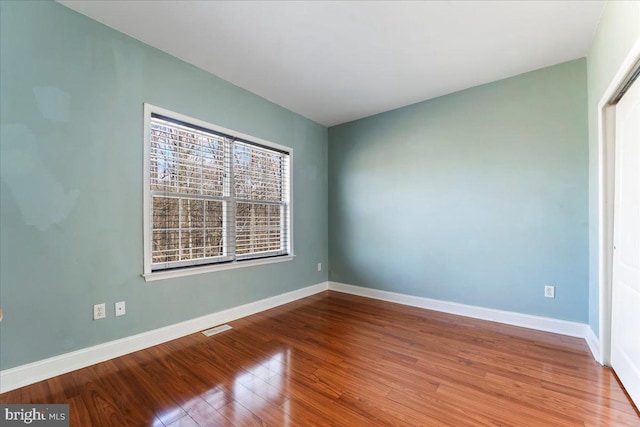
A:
[216,330]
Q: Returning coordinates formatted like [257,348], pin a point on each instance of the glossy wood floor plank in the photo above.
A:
[338,359]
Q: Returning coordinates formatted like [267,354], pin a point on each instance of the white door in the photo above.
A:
[625,321]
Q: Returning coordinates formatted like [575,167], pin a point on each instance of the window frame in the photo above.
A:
[240,261]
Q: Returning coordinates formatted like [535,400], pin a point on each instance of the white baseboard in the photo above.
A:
[594,344]
[23,375]
[564,327]
[30,373]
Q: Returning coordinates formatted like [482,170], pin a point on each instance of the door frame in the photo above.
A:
[606,178]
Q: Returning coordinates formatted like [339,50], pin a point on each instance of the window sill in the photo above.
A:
[160,275]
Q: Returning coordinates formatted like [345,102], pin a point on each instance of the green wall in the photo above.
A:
[618,30]
[72,93]
[500,184]
[479,197]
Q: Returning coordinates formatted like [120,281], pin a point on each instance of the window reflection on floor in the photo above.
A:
[254,389]
[266,379]
[260,386]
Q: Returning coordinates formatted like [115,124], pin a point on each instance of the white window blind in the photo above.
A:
[213,197]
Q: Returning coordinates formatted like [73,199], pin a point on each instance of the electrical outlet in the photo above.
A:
[549,291]
[120,309]
[319,266]
[99,311]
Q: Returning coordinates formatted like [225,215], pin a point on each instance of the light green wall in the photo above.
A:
[618,30]
[72,92]
[478,197]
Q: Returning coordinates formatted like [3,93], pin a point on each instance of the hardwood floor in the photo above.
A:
[338,359]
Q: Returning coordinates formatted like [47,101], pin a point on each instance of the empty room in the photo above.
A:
[319,213]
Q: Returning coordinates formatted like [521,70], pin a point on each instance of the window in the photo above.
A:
[213,197]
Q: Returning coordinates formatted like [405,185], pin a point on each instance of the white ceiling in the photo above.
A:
[337,61]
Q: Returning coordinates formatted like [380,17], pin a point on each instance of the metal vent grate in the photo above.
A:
[216,330]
